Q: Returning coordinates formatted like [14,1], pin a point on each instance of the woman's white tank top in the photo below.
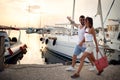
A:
[88,36]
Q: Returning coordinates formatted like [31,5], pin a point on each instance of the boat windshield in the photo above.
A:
[60,31]
[113,27]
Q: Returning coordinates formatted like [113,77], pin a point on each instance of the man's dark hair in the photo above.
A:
[82,16]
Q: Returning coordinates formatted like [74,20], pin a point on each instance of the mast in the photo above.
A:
[72,27]
[73,10]
[99,12]
[109,11]
[101,17]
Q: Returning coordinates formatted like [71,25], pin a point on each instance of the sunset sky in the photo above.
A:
[23,13]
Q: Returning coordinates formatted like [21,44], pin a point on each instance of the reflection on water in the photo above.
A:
[33,55]
[53,58]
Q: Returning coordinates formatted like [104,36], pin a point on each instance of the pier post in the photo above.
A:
[1,53]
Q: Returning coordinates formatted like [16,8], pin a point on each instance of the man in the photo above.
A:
[78,49]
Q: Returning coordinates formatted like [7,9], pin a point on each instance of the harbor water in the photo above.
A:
[34,55]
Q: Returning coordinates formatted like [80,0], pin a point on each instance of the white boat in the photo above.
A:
[113,37]
[31,30]
[14,49]
[60,41]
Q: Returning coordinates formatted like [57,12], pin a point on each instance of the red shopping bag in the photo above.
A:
[101,63]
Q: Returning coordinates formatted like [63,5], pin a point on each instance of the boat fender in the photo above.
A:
[23,49]
[41,39]
[46,60]
[14,39]
[25,46]
[54,42]
[46,41]
[10,51]
[42,54]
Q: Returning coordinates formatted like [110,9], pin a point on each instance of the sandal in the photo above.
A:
[75,75]
[99,73]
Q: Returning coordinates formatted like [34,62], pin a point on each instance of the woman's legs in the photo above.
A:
[91,58]
[85,54]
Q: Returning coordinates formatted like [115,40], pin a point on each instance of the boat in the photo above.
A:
[31,30]
[59,41]
[112,37]
[62,40]
[113,31]
[14,49]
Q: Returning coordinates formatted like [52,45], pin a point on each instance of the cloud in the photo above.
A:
[33,9]
[34,6]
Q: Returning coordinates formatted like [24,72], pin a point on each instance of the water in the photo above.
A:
[33,55]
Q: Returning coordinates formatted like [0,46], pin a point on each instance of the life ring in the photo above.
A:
[41,39]
[46,41]
[54,42]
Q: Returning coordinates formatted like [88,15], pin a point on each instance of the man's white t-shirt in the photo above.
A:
[81,33]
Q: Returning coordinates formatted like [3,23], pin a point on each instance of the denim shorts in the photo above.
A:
[78,49]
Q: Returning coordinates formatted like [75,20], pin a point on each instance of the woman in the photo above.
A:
[89,37]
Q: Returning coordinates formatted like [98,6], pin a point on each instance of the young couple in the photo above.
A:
[85,44]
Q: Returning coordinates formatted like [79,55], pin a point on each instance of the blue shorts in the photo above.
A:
[78,49]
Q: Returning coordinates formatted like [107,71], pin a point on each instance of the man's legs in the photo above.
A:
[77,51]
[74,60]
[71,68]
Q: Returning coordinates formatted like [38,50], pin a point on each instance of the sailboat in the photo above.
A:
[111,37]
[61,41]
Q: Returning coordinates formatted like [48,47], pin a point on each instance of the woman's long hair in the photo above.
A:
[90,20]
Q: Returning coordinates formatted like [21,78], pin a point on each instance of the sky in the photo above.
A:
[36,13]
